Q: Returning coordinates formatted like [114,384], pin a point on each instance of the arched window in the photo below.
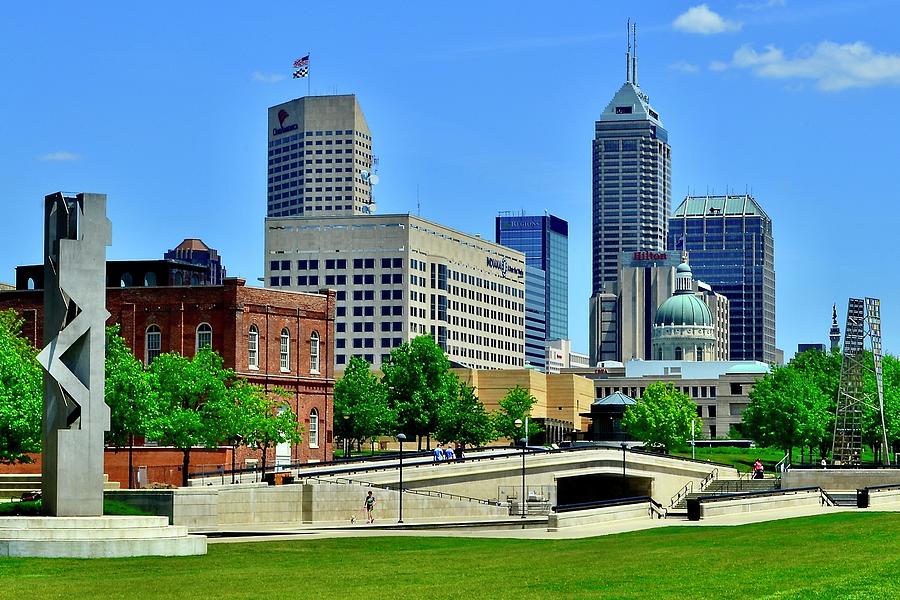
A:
[31,283]
[195,279]
[699,353]
[314,428]
[253,348]
[126,280]
[150,279]
[678,353]
[152,343]
[178,279]
[204,336]
[285,350]
[314,352]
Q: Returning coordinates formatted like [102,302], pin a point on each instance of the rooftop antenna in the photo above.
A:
[418,204]
[634,58]
[628,53]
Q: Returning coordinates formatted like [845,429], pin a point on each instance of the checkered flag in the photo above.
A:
[300,73]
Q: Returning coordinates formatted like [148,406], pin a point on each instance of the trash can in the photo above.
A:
[693,509]
[287,479]
[862,498]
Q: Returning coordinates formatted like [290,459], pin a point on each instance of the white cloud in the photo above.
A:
[718,65]
[833,67]
[684,67]
[60,155]
[266,77]
[763,5]
[700,19]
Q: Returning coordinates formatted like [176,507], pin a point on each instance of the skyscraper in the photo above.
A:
[320,158]
[545,242]
[730,242]
[632,193]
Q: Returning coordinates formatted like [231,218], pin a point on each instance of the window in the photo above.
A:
[253,348]
[313,355]
[152,343]
[678,355]
[204,336]
[314,428]
[285,350]
[711,410]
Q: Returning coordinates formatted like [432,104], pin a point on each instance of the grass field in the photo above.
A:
[31,508]
[742,459]
[846,555]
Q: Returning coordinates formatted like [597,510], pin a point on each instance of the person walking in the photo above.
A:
[369,504]
[438,453]
[757,469]
[449,454]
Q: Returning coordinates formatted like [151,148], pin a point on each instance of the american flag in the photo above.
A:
[301,62]
[303,72]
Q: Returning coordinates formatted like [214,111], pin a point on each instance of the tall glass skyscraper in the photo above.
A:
[545,242]
[731,247]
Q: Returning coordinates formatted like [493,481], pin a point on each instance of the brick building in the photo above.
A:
[273,338]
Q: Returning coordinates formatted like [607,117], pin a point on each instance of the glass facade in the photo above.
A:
[535,317]
[731,247]
[545,242]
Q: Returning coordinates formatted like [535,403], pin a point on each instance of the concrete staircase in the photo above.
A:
[721,487]
[12,486]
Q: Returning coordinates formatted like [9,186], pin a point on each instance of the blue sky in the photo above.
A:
[481,106]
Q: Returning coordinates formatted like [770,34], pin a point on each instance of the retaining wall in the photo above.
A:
[839,479]
[595,516]
[746,505]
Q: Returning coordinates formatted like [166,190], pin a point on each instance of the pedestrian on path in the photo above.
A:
[758,469]
[449,454]
[369,504]
[438,453]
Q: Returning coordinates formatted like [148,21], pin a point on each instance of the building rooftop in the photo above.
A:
[192,244]
[692,369]
[630,104]
[614,399]
[734,206]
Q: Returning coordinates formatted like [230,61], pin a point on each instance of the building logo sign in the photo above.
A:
[504,266]
[282,117]
[644,255]
[520,224]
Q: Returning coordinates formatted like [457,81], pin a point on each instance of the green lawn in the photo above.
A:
[847,555]
[29,508]
[742,459]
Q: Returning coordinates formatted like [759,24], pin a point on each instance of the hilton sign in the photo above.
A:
[645,255]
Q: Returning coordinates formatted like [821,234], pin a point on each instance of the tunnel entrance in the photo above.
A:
[591,488]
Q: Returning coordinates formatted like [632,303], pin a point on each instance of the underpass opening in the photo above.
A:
[592,488]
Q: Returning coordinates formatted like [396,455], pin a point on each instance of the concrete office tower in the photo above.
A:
[545,242]
[320,158]
[400,276]
[631,191]
[631,180]
[731,246]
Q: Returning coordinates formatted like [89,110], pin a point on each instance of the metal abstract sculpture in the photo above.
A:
[863,320]
[76,233]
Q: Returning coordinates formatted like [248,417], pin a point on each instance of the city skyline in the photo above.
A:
[164,115]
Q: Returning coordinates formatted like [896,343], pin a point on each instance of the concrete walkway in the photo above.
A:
[534,528]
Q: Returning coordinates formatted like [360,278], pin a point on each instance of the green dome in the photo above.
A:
[683,309]
[683,268]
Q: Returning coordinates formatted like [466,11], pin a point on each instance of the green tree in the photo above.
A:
[270,419]
[361,410]
[516,404]
[184,387]
[788,409]
[662,417]
[21,393]
[463,419]
[130,396]
[418,382]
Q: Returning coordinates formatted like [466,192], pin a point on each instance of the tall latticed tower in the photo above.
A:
[863,320]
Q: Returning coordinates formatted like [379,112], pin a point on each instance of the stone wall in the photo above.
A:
[836,479]
[596,516]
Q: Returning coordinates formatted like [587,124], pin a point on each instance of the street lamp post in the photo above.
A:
[401,438]
[524,442]
[346,437]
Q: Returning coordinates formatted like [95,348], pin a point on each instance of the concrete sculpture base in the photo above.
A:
[96,537]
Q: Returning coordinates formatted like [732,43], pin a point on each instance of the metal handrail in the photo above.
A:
[713,476]
[687,489]
[738,496]
[826,498]
[419,492]
[661,511]
[783,465]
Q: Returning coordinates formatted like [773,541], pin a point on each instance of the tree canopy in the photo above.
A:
[361,410]
[129,393]
[21,392]
[516,404]
[662,417]
[463,419]
[418,382]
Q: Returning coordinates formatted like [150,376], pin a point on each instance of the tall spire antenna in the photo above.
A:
[628,53]
[634,57]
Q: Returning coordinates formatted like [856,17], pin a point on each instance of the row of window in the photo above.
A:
[204,339]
